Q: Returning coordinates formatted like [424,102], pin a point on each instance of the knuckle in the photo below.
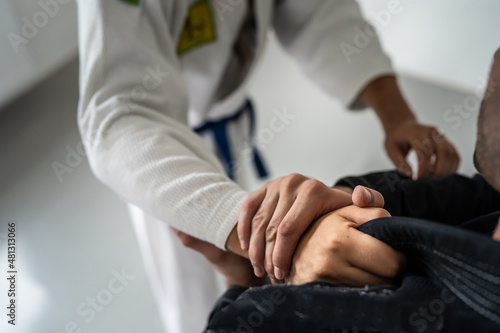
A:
[271,233]
[288,185]
[438,137]
[422,156]
[324,271]
[292,180]
[380,212]
[259,218]
[336,243]
[255,256]
[286,228]
[294,176]
[250,205]
[311,186]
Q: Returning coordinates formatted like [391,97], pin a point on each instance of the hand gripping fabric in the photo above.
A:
[452,284]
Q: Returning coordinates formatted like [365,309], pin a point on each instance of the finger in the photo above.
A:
[260,222]
[366,197]
[355,277]
[284,204]
[447,159]
[398,157]
[291,228]
[268,260]
[370,254]
[256,250]
[424,161]
[360,215]
[247,212]
[196,244]
[339,271]
[306,208]
[303,211]
[336,199]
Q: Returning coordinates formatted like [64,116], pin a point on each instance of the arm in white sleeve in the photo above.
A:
[333,44]
[133,119]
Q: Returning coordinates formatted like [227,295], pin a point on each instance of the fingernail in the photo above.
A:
[278,273]
[368,195]
[258,271]
[244,245]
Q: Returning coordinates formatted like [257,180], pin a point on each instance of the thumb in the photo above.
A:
[367,197]
[338,199]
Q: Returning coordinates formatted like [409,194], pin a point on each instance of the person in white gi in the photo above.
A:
[151,71]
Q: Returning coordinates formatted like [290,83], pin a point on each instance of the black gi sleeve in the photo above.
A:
[229,296]
[452,200]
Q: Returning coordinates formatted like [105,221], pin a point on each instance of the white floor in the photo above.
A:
[74,235]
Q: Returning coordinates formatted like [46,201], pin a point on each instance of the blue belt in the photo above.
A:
[219,130]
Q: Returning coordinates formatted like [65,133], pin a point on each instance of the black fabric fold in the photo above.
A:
[452,284]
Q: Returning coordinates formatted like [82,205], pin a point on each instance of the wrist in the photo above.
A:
[233,244]
[385,98]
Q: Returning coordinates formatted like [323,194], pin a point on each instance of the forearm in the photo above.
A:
[385,98]
[160,169]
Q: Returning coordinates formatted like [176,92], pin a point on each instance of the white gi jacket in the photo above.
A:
[150,69]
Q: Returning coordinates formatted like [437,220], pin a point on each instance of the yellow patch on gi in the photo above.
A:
[198,28]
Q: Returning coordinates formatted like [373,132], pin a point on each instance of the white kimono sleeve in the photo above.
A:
[133,119]
[333,44]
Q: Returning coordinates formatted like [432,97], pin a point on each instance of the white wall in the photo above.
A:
[72,234]
[447,42]
[38,38]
